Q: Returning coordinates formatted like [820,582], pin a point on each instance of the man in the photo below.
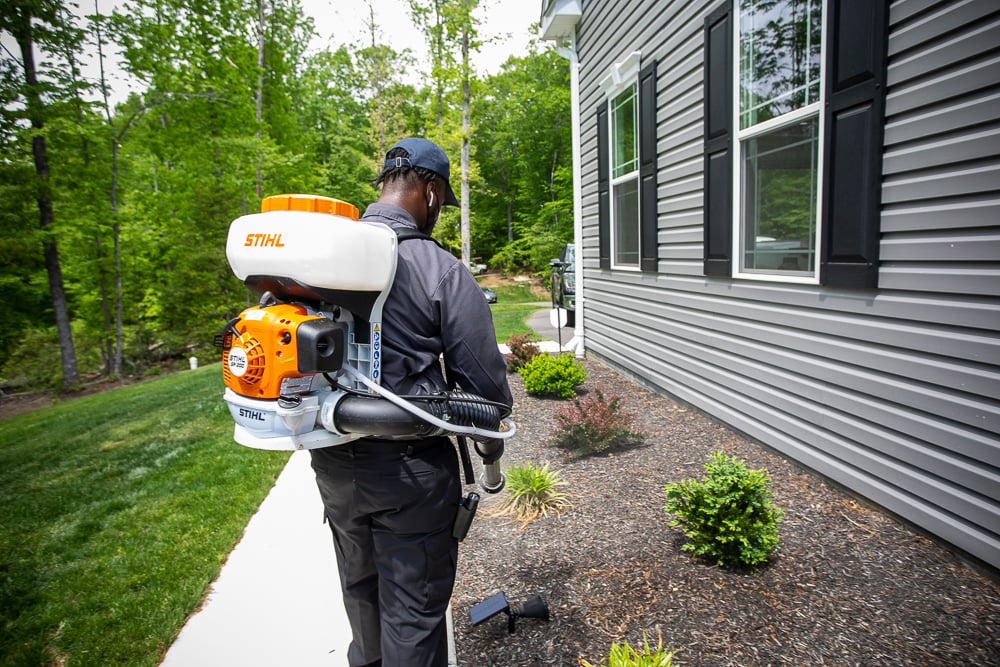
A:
[392,503]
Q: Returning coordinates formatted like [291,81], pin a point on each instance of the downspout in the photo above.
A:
[568,50]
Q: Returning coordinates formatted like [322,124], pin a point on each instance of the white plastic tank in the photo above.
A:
[317,241]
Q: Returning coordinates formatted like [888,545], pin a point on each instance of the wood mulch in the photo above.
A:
[848,585]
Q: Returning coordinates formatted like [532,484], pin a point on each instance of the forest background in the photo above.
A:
[115,215]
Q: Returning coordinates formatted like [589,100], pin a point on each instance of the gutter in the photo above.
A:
[567,49]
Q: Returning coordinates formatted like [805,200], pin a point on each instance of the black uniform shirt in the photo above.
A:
[436,307]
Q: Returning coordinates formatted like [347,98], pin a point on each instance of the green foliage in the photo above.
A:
[119,510]
[191,146]
[533,491]
[523,148]
[595,425]
[531,252]
[523,349]
[553,376]
[728,516]
[623,655]
[33,365]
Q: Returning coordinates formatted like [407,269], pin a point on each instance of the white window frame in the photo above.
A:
[740,137]
[622,76]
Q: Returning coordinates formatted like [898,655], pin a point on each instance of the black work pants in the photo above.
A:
[391,506]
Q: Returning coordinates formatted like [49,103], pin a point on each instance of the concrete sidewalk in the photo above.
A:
[277,600]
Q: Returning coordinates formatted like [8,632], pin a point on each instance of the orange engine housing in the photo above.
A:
[263,361]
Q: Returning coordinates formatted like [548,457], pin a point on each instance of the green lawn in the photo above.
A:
[515,303]
[118,511]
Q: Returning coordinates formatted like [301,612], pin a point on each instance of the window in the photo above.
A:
[626,150]
[625,177]
[793,168]
[779,75]
[779,101]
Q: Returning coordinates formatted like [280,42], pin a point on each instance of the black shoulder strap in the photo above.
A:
[406,233]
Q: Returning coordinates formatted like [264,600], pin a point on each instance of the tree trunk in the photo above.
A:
[466,243]
[106,349]
[116,367]
[119,351]
[437,61]
[260,94]
[46,216]
[510,221]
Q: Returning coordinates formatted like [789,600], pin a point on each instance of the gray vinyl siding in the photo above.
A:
[894,392]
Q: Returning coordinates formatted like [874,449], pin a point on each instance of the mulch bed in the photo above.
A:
[848,585]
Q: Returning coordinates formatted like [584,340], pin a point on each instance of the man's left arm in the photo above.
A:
[471,355]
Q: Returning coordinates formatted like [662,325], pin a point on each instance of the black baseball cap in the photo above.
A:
[425,154]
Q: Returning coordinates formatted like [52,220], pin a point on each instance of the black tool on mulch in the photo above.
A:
[536,607]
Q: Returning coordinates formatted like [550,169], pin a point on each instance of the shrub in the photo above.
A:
[594,425]
[553,376]
[728,515]
[532,491]
[522,350]
[625,656]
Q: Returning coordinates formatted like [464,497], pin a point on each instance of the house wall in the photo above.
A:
[894,392]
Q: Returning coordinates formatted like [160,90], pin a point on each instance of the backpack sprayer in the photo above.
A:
[303,368]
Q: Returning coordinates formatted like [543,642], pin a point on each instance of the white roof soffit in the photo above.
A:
[559,18]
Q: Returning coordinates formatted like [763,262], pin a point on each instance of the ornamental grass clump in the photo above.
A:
[557,376]
[533,491]
[522,350]
[596,425]
[728,515]
[623,655]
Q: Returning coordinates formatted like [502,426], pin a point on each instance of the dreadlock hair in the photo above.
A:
[391,172]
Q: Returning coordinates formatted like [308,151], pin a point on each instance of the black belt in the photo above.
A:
[408,447]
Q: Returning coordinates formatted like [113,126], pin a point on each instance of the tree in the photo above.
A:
[17,19]
[382,88]
[140,193]
[523,149]
[338,127]
[226,86]
[117,129]
[430,17]
[465,25]
[447,22]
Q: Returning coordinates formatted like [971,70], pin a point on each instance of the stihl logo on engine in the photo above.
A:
[255,415]
[263,241]
[238,361]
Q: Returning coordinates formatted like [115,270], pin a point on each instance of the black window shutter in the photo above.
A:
[648,219]
[718,142]
[857,36]
[603,189]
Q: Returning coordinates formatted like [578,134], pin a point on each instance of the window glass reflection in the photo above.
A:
[626,209]
[625,154]
[780,199]
[780,50]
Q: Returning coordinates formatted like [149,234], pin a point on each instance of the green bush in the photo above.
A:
[532,491]
[35,364]
[531,252]
[553,376]
[624,655]
[728,515]
[595,425]
[522,350]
